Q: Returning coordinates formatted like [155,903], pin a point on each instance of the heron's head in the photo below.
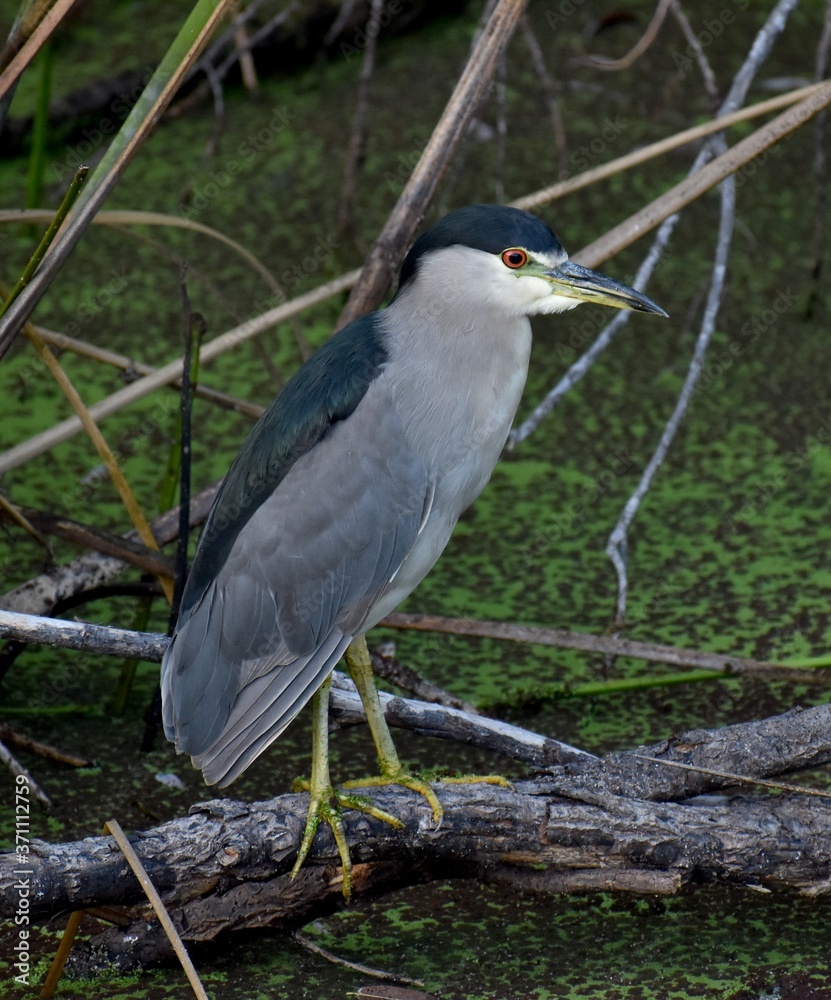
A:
[507,261]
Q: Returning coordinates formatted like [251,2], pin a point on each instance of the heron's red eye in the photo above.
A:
[514,258]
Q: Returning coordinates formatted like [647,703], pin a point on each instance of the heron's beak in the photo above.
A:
[575,282]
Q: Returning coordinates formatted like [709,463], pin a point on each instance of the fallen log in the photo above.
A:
[621,823]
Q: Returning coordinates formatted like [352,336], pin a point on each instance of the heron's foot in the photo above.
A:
[400,776]
[474,779]
[328,805]
[421,783]
[323,805]
[467,779]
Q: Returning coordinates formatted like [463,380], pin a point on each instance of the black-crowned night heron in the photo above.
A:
[347,490]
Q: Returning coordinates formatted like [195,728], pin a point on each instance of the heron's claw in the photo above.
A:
[475,779]
[422,785]
[323,805]
[365,805]
[327,804]
[406,780]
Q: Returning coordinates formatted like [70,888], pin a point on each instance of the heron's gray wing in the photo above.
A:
[298,582]
[325,390]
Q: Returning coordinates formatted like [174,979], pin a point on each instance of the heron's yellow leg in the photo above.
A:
[324,802]
[392,772]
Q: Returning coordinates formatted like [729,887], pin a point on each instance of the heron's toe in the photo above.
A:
[324,805]
[405,780]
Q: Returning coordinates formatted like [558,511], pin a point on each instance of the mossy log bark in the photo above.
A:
[621,823]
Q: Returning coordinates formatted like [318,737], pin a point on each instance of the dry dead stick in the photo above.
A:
[391,993]
[740,779]
[637,50]
[248,69]
[550,93]
[119,218]
[85,636]
[9,735]
[384,664]
[112,827]
[125,491]
[608,645]
[32,44]
[643,154]
[697,184]
[14,765]
[365,970]
[388,252]
[59,961]
[133,553]
[131,366]
[356,149]
[39,596]
[16,515]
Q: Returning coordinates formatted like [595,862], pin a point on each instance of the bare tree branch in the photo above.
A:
[704,67]
[345,705]
[43,592]
[356,149]
[552,99]
[616,546]
[608,645]
[134,553]
[637,50]
[386,256]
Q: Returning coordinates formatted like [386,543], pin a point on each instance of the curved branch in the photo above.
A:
[637,50]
